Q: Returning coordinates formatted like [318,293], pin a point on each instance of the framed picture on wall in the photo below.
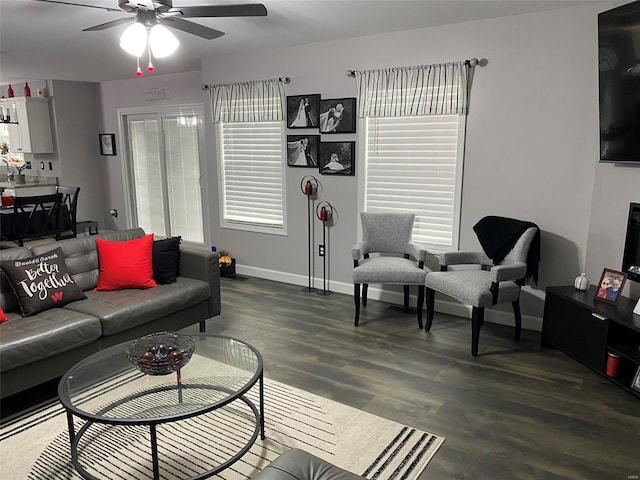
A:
[303,111]
[302,150]
[337,158]
[107,143]
[610,285]
[338,115]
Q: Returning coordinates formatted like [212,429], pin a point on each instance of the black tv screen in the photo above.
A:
[619,83]
[631,255]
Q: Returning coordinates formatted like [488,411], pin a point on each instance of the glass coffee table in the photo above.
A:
[111,406]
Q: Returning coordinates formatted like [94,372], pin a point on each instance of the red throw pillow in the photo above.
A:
[125,264]
[3,317]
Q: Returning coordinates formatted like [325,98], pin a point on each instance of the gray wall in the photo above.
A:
[76,112]
[531,152]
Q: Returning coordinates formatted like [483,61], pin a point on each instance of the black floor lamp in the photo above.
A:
[309,186]
[324,212]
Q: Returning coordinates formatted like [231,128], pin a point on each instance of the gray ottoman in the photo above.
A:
[297,464]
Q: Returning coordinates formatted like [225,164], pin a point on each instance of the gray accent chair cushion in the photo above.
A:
[386,255]
[479,283]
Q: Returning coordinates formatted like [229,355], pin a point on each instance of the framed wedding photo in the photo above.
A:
[610,286]
[302,150]
[338,115]
[337,158]
[303,111]
[107,143]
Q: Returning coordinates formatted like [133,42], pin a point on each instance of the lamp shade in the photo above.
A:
[162,41]
[134,39]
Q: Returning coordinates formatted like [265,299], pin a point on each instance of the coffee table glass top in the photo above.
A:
[107,386]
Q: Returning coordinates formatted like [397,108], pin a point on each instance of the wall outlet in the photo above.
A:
[114,212]
[321,250]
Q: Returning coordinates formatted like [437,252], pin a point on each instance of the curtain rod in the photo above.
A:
[472,61]
[284,80]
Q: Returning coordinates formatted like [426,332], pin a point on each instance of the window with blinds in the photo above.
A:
[252,176]
[414,164]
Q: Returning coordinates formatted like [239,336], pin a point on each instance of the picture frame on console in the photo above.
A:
[635,383]
[610,286]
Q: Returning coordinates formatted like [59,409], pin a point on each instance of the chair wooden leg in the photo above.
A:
[365,290]
[430,305]
[356,299]
[420,305]
[406,297]
[516,312]
[477,318]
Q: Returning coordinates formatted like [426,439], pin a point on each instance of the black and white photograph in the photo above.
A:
[337,158]
[338,115]
[303,111]
[302,150]
[107,143]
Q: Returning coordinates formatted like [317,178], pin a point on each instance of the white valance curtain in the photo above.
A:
[254,101]
[439,89]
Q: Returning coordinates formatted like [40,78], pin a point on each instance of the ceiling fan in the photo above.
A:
[147,27]
[151,12]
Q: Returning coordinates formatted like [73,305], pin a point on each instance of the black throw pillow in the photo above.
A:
[166,260]
[41,282]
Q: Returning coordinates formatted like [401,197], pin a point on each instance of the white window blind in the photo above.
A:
[414,164]
[252,180]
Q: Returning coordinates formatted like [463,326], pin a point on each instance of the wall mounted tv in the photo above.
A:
[619,83]
[631,254]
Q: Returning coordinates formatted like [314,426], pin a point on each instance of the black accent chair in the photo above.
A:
[68,210]
[36,220]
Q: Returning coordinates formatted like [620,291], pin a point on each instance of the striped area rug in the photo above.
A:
[37,446]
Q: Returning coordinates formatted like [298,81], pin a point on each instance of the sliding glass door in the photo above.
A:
[164,173]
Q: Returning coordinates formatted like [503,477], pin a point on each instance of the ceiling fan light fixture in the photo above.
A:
[134,39]
[163,43]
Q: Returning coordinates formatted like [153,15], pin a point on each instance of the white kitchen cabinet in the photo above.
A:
[32,132]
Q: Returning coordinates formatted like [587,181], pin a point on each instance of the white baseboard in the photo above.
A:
[449,307]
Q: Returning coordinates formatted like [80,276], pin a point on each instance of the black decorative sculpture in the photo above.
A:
[324,212]
[309,186]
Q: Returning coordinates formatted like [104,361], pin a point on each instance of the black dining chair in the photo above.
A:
[68,209]
[35,221]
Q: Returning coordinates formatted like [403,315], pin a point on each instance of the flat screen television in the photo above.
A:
[631,255]
[619,83]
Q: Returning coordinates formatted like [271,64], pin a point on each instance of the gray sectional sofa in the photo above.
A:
[44,346]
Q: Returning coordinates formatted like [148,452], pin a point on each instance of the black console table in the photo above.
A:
[586,329]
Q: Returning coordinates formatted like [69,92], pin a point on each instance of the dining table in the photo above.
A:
[10,221]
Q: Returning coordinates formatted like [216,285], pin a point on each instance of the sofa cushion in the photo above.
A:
[296,464]
[166,260]
[8,299]
[41,282]
[125,264]
[119,310]
[81,254]
[3,316]
[41,336]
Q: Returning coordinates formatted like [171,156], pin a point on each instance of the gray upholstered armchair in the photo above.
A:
[387,255]
[512,252]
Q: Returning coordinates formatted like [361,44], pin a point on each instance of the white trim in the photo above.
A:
[449,307]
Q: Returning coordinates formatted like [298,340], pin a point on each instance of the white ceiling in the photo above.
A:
[45,41]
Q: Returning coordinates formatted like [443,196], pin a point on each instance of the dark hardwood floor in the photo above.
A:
[516,411]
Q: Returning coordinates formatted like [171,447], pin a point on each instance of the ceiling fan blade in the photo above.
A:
[112,23]
[235,10]
[108,9]
[192,28]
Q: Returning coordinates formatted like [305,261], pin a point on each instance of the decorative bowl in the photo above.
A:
[161,353]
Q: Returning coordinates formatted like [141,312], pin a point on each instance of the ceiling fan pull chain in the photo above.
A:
[150,66]
[138,71]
